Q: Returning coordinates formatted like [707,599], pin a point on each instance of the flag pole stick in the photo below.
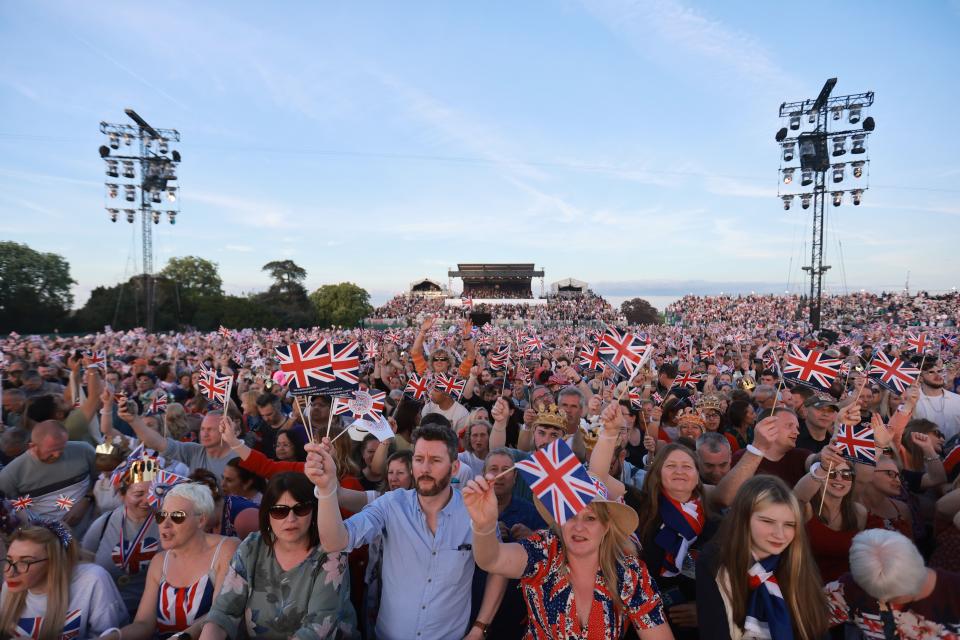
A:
[823,494]
[330,417]
[338,435]
[296,403]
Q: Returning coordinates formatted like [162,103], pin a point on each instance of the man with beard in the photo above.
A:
[936,404]
[427,561]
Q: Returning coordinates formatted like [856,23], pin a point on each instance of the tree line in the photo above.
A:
[35,297]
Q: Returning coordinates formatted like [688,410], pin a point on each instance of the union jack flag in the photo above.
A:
[499,360]
[558,479]
[917,343]
[158,403]
[468,303]
[64,503]
[97,360]
[417,387]
[708,353]
[686,380]
[636,401]
[345,366]
[856,443]
[896,375]
[450,385]
[223,331]
[949,341]
[622,351]
[23,502]
[363,404]
[307,362]
[591,359]
[811,368]
[533,343]
[216,388]
[657,398]
[162,483]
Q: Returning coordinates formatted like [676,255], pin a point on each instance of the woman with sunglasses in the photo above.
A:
[832,514]
[48,594]
[758,579]
[125,539]
[281,583]
[186,576]
[881,493]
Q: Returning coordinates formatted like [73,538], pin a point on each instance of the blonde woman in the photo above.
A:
[48,594]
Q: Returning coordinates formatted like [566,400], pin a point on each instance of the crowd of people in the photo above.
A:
[722,503]
[587,308]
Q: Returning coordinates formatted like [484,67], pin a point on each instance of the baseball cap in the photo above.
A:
[819,402]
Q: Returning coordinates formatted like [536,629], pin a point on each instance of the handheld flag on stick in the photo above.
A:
[811,368]
[364,404]
[318,367]
[856,443]
[894,374]
[417,387]
[558,479]
[622,351]
[450,385]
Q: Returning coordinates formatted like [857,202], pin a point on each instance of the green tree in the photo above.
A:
[343,304]
[123,306]
[285,273]
[34,289]
[639,311]
[194,276]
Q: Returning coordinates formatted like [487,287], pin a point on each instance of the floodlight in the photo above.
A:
[839,145]
[837,198]
[857,195]
[787,201]
[858,168]
[838,171]
[787,176]
[858,143]
[805,201]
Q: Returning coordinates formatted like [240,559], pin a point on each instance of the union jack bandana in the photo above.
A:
[767,613]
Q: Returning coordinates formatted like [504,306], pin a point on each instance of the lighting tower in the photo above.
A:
[810,151]
[139,179]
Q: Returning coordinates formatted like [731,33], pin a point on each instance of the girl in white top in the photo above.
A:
[47,594]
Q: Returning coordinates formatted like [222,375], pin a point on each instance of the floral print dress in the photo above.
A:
[311,600]
[550,604]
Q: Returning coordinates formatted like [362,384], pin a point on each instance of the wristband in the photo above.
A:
[816,466]
[755,451]
[109,631]
[316,492]
[483,533]
[930,458]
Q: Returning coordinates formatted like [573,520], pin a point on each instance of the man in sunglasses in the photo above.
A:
[936,404]
[428,565]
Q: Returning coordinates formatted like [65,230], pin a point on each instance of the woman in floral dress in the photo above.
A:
[281,584]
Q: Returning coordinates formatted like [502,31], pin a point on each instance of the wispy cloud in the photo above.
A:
[239,248]
[725,186]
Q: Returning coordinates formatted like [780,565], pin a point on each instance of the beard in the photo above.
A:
[438,485]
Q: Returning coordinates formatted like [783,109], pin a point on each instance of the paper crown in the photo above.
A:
[143,470]
[550,416]
[690,420]
[106,448]
[708,403]
[747,383]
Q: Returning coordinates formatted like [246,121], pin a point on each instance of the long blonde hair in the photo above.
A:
[796,573]
[614,547]
[60,563]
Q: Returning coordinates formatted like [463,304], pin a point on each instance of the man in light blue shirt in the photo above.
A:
[428,560]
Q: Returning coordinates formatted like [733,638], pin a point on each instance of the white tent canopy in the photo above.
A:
[426,285]
[568,285]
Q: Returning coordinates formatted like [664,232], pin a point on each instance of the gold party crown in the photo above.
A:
[106,448]
[144,470]
[550,416]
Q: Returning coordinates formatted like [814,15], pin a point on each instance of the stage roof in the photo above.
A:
[495,270]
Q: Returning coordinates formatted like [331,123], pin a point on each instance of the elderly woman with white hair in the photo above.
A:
[890,593]
[186,576]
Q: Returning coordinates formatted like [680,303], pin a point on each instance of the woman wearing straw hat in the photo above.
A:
[582,579]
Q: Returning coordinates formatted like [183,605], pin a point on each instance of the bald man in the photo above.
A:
[56,474]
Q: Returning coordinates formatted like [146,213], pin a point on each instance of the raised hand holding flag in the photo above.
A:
[893,373]
[558,480]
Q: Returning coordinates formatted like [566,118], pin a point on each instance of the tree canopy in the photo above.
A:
[639,311]
[344,304]
[34,289]
[194,276]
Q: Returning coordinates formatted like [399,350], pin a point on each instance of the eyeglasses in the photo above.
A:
[20,567]
[938,434]
[281,511]
[440,358]
[890,473]
[843,474]
[176,516]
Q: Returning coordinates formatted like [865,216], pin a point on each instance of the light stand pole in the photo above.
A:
[815,163]
[158,168]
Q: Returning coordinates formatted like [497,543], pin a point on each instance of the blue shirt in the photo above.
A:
[426,577]
[521,511]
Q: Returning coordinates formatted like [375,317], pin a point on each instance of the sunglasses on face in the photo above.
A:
[843,474]
[177,517]
[938,434]
[890,473]
[281,511]
[440,358]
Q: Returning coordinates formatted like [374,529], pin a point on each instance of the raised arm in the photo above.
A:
[150,438]
[604,449]
[322,471]
[495,557]
[501,416]
[763,437]
[416,351]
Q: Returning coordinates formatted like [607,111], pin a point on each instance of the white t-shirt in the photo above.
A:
[457,414]
[943,410]
[94,607]
[469,459]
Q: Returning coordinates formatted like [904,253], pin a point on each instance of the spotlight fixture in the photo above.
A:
[812,117]
[155,196]
[794,122]
[780,137]
[114,141]
[172,194]
[788,176]
[837,113]
[857,195]
[858,143]
[131,215]
[838,171]
[113,214]
[127,139]
[788,151]
[805,201]
[858,168]
[839,145]
[855,112]
[104,151]
[162,147]
[128,169]
[806,177]
[869,124]
[837,198]
[112,169]
[156,217]
[787,201]
[113,190]
[130,193]
[172,216]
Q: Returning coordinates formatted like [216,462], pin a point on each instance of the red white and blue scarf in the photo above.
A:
[682,524]
[767,612]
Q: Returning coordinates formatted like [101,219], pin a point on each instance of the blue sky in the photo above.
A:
[626,143]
